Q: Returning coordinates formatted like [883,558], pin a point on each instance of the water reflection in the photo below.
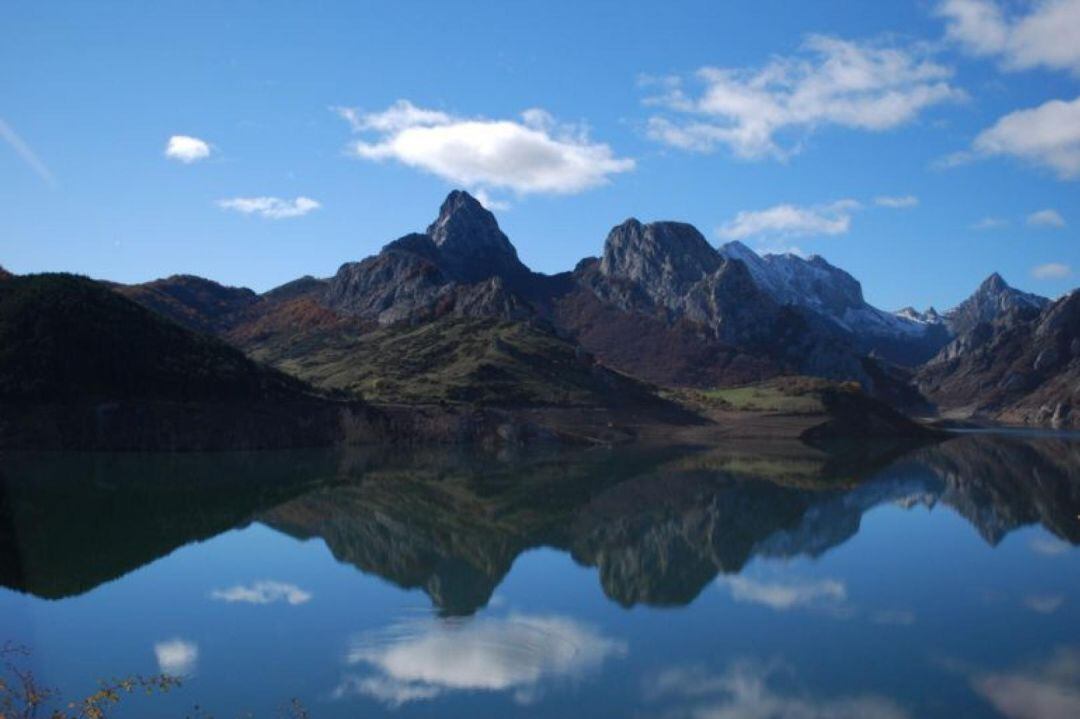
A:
[422,660]
[176,657]
[1046,690]
[749,689]
[658,525]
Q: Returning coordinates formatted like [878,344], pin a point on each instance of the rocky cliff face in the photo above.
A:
[1022,367]
[666,273]
[994,298]
[464,266]
[832,294]
[470,245]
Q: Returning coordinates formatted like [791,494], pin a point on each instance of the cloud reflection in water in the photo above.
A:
[424,659]
[747,690]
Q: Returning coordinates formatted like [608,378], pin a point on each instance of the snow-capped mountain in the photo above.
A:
[906,337]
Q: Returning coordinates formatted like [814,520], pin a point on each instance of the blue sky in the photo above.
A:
[918,145]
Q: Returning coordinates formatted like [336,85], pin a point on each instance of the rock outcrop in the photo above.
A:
[1023,367]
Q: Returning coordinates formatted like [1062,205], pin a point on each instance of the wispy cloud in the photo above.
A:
[1051,271]
[896,202]
[177,657]
[272,208]
[27,154]
[1044,603]
[264,592]
[1044,36]
[990,223]
[754,111]
[187,149]
[1046,218]
[746,690]
[788,220]
[782,596]
[1046,691]
[1049,546]
[531,155]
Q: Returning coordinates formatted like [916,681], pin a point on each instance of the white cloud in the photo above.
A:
[1050,691]
[176,657]
[848,84]
[1048,35]
[990,223]
[744,691]
[27,154]
[264,592]
[1051,271]
[424,660]
[272,208]
[186,149]
[782,596]
[533,155]
[792,221]
[1047,136]
[898,202]
[490,202]
[1046,218]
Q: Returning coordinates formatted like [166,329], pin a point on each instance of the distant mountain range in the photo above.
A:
[660,305]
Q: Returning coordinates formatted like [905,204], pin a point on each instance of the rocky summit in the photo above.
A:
[1022,367]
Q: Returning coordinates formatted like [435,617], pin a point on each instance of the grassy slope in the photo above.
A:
[477,361]
[799,406]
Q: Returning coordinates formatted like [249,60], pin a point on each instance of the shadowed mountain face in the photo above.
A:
[462,266]
[661,289]
[82,367]
[1024,367]
[658,525]
[994,298]
[907,338]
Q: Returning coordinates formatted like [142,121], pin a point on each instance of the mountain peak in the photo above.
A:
[994,298]
[736,250]
[457,206]
[669,253]
[995,283]
[471,245]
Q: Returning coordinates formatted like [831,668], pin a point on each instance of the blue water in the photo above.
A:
[941,582]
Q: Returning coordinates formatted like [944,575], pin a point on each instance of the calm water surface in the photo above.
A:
[757,581]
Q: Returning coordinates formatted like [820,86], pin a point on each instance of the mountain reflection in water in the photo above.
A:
[657,524]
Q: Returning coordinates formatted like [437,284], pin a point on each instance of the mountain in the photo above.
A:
[659,304]
[462,266]
[193,302]
[993,299]
[1021,367]
[83,367]
[4,274]
[813,284]
[661,287]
